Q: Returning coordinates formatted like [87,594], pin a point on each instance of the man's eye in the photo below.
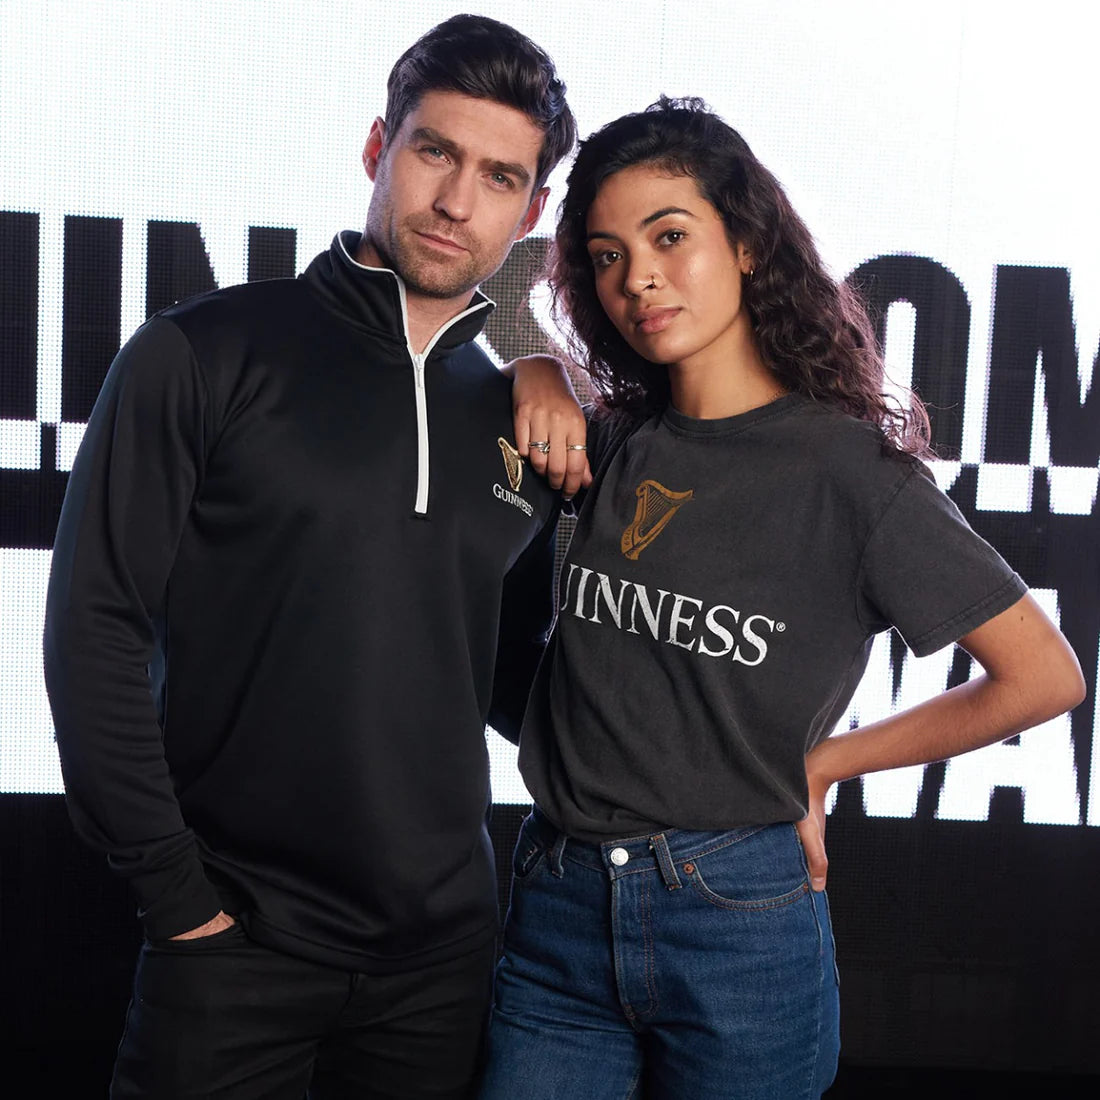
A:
[501,180]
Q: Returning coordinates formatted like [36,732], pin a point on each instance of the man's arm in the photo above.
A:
[546,410]
[526,616]
[128,497]
[1031,676]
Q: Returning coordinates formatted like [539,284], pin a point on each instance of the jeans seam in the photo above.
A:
[650,951]
[778,902]
[717,847]
[815,1061]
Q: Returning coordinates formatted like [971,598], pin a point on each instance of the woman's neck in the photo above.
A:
[708,394]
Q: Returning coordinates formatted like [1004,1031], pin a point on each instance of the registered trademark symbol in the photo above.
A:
[780,627]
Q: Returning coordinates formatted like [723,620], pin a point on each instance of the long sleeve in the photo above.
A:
[128,498]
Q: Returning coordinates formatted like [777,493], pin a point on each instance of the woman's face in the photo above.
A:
[666,274]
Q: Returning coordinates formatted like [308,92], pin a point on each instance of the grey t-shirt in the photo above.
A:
[717,607]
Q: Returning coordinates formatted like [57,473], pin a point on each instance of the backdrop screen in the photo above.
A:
[941,153]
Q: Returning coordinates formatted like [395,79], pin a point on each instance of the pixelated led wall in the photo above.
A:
[943,157]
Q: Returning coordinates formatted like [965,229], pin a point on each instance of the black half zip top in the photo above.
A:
[373,300]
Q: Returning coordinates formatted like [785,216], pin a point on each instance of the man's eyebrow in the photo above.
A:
[505,167]
[656,216]
[426,133]
[509,168]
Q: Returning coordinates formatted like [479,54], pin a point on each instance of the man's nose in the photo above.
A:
[457,195]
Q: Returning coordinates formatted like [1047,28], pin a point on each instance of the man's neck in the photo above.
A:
[426,315]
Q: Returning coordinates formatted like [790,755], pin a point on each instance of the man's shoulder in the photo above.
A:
[263,300]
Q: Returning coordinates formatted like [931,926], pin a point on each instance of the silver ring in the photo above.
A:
[577,447]
[540,444]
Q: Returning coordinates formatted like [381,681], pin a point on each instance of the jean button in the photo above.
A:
[619,856]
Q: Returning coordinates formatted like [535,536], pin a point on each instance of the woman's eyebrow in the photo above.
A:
[656,216]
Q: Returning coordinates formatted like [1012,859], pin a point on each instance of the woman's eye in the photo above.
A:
[673,236]
[606,258]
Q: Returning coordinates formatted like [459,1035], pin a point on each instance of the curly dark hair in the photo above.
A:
[812,331]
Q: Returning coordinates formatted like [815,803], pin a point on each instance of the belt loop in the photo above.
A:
[664,861]
[556,853]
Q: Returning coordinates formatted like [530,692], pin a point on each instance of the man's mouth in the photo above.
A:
[444,244]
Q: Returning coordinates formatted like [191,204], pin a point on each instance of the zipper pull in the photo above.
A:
[418,368]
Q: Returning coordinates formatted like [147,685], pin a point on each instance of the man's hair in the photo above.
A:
[482,58]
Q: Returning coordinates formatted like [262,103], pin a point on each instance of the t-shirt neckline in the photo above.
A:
[690,425]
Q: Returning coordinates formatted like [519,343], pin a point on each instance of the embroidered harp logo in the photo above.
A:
[656,506]
[513,464]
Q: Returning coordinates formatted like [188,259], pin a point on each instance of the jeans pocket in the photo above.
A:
[762,871]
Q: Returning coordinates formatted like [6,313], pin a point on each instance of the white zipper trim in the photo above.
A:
[423,465]
[420,507]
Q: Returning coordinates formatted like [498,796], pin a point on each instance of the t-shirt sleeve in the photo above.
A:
[927,573]
[605,432]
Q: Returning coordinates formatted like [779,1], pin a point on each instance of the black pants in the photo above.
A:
[222,1017]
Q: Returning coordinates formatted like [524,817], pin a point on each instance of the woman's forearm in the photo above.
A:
[1031,675]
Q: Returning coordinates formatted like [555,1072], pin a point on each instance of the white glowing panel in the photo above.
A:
[957,133]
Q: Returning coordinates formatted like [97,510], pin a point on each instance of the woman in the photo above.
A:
[758,513]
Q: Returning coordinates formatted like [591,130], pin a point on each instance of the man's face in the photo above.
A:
[452,191]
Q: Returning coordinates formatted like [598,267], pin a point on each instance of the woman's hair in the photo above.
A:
[811,331]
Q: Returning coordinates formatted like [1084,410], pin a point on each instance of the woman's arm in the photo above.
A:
[1031,675]
[545,409]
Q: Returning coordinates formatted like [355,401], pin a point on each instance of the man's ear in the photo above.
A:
[534,212]
[376,140]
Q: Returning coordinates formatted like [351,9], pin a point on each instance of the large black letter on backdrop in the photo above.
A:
[1033,317]
[177,265]
[92,311]
[272,253]
[941,338]
[19,316]
[30,499]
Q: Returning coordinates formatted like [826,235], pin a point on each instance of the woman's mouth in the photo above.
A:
[650,321]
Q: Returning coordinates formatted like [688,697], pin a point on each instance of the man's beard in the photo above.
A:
[431,274]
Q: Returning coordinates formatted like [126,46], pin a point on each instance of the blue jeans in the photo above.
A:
[683,965]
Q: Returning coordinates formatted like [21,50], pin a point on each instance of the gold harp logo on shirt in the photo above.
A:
[656,506]
[513,464]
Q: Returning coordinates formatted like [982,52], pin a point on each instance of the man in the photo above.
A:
[297,569]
